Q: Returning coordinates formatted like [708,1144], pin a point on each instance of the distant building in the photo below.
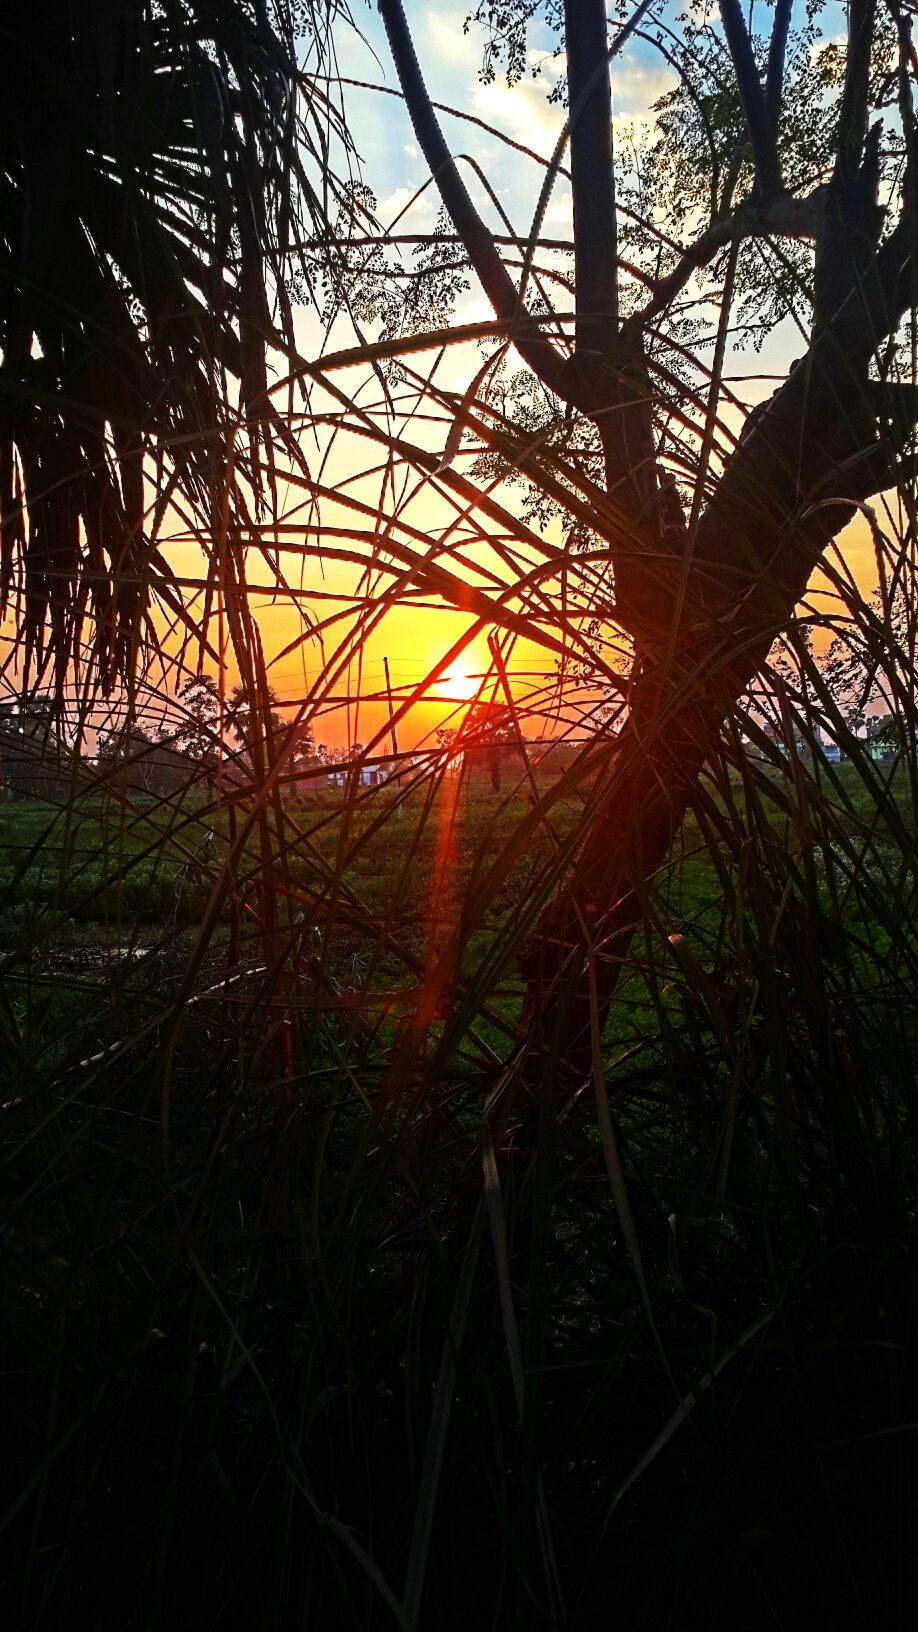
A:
[368,776]
[881,738]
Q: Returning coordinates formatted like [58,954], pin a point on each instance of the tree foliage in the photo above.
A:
[157,170]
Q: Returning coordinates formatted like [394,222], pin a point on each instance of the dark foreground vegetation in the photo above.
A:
[288,1344]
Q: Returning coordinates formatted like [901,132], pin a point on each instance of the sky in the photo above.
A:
[352,610]
[391,165]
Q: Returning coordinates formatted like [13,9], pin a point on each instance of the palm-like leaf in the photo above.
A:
[153,174]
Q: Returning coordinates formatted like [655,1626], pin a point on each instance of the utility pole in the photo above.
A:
[391,709]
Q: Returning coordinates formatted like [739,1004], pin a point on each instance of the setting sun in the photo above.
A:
[458,685]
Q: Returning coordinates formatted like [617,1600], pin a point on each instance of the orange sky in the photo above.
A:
[416,632]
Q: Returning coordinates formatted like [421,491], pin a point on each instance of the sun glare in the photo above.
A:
[459,686]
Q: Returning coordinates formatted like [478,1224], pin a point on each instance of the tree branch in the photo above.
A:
[853,115]
[783,216]
[777,52]
[592,175]
[851,224]
[813,451]
[542,357]
[758,123]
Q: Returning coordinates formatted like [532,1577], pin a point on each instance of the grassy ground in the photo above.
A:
[292,1339]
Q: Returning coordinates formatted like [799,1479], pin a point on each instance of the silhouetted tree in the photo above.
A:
[781,181]
[198,731]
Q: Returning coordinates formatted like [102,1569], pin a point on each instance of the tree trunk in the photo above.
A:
[758,543]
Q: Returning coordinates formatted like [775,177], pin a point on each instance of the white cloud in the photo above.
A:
[523,113]
[636,86]
[417,210]
[445,39]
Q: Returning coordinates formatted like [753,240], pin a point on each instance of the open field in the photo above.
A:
[372,891]
[112,866]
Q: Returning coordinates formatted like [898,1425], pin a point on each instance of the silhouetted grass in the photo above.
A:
[291,1338]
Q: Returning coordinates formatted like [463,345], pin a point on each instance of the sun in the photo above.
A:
[458,685]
